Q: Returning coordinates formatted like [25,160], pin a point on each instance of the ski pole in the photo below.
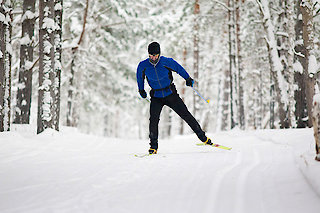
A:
[208,101]
[146,99]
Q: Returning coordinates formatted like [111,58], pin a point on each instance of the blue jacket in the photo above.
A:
[159,76]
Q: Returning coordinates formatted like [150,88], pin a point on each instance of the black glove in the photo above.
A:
[143,93]
[190,82]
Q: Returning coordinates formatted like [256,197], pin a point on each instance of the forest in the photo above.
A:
[73,63]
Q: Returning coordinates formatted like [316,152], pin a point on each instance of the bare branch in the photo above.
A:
[223,5]
[83,25]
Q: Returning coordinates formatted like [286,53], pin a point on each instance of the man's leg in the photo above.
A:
[156,106]
[176,103]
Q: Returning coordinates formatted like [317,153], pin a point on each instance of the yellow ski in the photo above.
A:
[215,145]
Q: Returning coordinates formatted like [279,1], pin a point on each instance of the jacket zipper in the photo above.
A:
[155,69]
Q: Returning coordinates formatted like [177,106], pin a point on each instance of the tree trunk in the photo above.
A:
[276,67]
[2,67]
[259,101]
[72,119]
[316,124]
[282,48]
[183,89]
[57,62]
[272,101]
[311,72]
[241,115]
[290,60]
[5,65]
[232,61]
[196,55]
[226,100]
[22,112]
[301,111]
[307,13]
[46,66]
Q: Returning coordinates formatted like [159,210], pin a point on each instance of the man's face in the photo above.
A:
[154,57]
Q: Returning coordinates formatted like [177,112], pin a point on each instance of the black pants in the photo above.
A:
[174,102]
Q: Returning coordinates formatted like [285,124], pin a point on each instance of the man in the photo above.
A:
[158,71]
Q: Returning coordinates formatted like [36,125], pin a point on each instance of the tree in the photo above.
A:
[232,62]
[58,11]
[196,54]
[310,70]
[240,80]
[72,119]
[301,111]
[5,64]
[276,67]
[307,51]
[289,8]
[22,112]
[48,77]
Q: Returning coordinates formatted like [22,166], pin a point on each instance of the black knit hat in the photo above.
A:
[154,48]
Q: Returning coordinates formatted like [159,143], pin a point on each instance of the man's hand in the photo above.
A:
[143,93]
[189,82]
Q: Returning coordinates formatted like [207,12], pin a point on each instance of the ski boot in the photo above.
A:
[208,141]
[152,151]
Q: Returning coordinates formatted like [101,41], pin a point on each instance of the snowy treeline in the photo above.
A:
[256,60]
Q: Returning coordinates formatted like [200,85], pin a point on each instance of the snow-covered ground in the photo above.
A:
[270,171]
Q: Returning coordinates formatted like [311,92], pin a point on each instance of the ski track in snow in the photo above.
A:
[71,172]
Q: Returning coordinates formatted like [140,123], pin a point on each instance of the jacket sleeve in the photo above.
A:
[140,76]
[179,69]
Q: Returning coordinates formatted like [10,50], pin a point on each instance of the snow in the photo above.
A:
[313,67]
[25,40]
[57,6]
[28,65]
[2,18]
[47,47]
[266,171]
[316,98]
[48,24]
[9,48]
[298,67]
[28,15]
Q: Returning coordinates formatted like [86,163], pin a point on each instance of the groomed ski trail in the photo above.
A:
[72,172]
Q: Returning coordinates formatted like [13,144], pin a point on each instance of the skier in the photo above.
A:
[158,71]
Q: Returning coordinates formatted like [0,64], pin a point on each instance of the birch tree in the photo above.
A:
[22,111]
[5,64]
